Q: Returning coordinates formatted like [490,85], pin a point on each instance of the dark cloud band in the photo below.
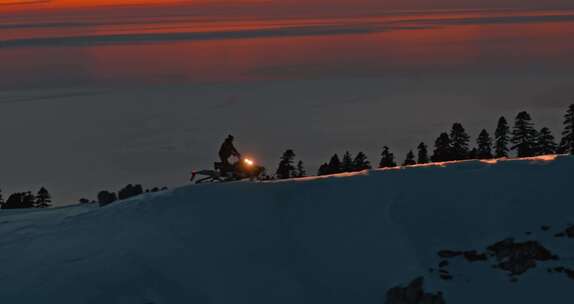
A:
[307,30]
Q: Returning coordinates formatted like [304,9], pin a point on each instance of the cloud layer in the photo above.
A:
[337,27]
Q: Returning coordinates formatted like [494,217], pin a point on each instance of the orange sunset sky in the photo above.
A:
[11,5]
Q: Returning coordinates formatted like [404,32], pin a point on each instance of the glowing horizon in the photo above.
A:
[47,5]
[35,5]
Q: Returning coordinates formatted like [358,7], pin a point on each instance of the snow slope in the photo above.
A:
[339,239]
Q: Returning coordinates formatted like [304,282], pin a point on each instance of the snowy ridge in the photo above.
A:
[337,239]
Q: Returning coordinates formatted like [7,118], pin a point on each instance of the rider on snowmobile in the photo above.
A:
[225,171]
[227,150]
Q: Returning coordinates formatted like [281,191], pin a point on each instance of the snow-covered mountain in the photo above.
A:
[348,238]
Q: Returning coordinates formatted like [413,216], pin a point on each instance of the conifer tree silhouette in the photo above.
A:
[459,140]
[286,169]
[423,155]
[130,191]
[473,153]
[387,158]
[301,169]
[43,198]
[14,201]
[360,162]
[324,169]
[335,165]
[567,142]
[347,162]
[106,198]
[524,135]
[28,200]
[545,143]
[442,149]
[502,138]
[410,159]
[484,144]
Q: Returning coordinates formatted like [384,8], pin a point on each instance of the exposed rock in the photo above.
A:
[474,256]
[568,232]
[517,258]
[561,269]
[413,294]
[445,275]
[447,254]
[414,291]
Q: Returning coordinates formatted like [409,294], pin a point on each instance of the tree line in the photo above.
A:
[43,198]
[21,200]
[106,197]
[523,139]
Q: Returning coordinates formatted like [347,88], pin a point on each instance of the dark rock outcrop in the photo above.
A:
[517,258]
[561,269]
[413,294]
[447,254]
[474,256]
[568,232]
[470,255]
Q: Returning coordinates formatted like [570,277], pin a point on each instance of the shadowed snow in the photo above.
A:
[335,239]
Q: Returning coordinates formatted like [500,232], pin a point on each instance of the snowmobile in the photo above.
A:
[242,169]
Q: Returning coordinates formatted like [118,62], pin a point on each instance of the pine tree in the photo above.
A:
[43,198]
[502,138]
[360,162]
[545,143]
[524,135]
[324,169]
[286,169]
[106,198]
[28,200]
[1,200]
[562,147]
[14,201]
[423,156]
[130,191]
[301,169]
[567,142]
[473,153]
[410,159]
[484,143]
[459,140]
[387,158]
[347,162]
[84,201]
[335,165]
[442,150]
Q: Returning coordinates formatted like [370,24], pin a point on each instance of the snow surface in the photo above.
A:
[337,239]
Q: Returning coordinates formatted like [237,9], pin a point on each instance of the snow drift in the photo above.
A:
[339,239]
